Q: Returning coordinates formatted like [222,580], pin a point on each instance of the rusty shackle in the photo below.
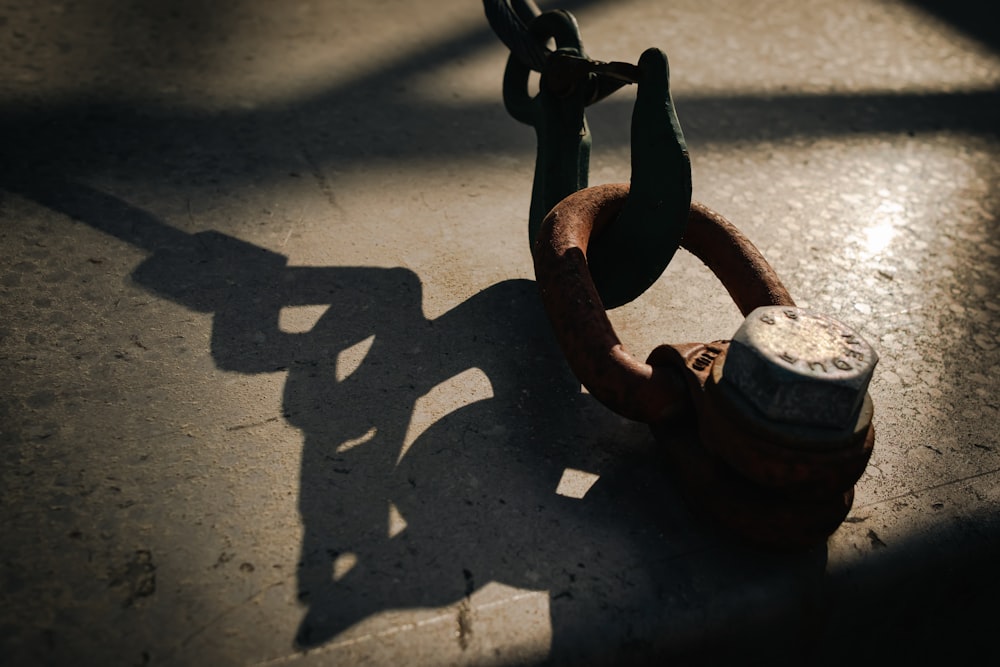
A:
[783,432]
[631,388]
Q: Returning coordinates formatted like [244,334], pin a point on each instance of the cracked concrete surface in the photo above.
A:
[278,388]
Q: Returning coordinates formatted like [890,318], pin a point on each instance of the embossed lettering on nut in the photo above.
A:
[800,367]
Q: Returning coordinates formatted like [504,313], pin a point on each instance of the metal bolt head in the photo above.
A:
[800,367]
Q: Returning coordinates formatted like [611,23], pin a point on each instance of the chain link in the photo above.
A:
[509,20]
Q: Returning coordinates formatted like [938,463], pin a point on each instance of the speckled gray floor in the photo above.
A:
[277,388]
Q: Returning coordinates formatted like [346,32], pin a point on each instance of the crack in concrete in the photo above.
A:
[916,492]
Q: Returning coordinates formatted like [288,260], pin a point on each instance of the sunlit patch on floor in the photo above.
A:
[397,523]
[456,392]
[343,564]
[300,319]
[889,215]
[576,483]
[877,238]
[350,358]
[354,442]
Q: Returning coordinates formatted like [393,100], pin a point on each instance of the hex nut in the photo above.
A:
[800,367]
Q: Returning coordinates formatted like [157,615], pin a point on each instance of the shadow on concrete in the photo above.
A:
[336,132]
[932,602]
[476,490]
[374,118]
[473,497]
[976,18]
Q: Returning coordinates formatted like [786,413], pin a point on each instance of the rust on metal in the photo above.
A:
[767,453]
[783,485]
[759,515]
[734,259]
[629,387]
[595,353]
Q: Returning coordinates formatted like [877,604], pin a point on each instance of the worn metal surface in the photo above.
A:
[800,367]
[577,312]
[740,476]
[168,467]
[566,240]
[595,353]
[791,486]
[775,486]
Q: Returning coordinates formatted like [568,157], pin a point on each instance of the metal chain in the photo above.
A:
[525,9]
[509,20]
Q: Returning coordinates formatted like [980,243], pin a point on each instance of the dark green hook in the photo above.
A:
[632,252]
[562,161]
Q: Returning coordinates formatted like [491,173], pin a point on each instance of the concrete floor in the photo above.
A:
[278,389]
